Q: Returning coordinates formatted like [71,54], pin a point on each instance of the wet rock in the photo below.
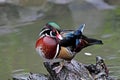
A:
[100,4]
[11,13]
[113,2]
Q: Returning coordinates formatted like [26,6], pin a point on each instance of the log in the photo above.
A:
[70,71]
[60,1]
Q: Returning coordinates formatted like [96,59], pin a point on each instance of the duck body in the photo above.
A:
[50,46]
[49,49]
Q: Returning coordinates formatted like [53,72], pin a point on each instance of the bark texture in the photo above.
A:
[70,71]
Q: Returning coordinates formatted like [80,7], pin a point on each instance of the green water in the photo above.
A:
[17,49]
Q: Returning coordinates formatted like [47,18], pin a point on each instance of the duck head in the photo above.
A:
[51,29]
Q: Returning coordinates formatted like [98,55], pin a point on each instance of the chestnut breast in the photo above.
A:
[48,46]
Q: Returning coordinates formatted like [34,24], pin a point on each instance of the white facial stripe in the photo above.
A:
[43,32]
[51,34]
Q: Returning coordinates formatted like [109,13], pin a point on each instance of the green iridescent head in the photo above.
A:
[54,25]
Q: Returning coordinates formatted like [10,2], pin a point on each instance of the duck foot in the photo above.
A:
[57,69]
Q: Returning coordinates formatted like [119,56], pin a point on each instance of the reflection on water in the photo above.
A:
[17,51]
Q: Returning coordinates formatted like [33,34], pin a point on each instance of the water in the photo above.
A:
[17,43]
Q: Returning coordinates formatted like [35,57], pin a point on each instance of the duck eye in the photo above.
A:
[53,33]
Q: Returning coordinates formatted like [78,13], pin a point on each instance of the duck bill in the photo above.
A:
[59,36]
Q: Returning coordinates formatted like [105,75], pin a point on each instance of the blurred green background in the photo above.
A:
[22,20]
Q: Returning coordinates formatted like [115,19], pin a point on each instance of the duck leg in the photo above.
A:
[59,67]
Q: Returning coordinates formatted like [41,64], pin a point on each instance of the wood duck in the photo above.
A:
[53,47]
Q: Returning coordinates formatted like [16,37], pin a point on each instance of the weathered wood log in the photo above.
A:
[70,71]
[60,1]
